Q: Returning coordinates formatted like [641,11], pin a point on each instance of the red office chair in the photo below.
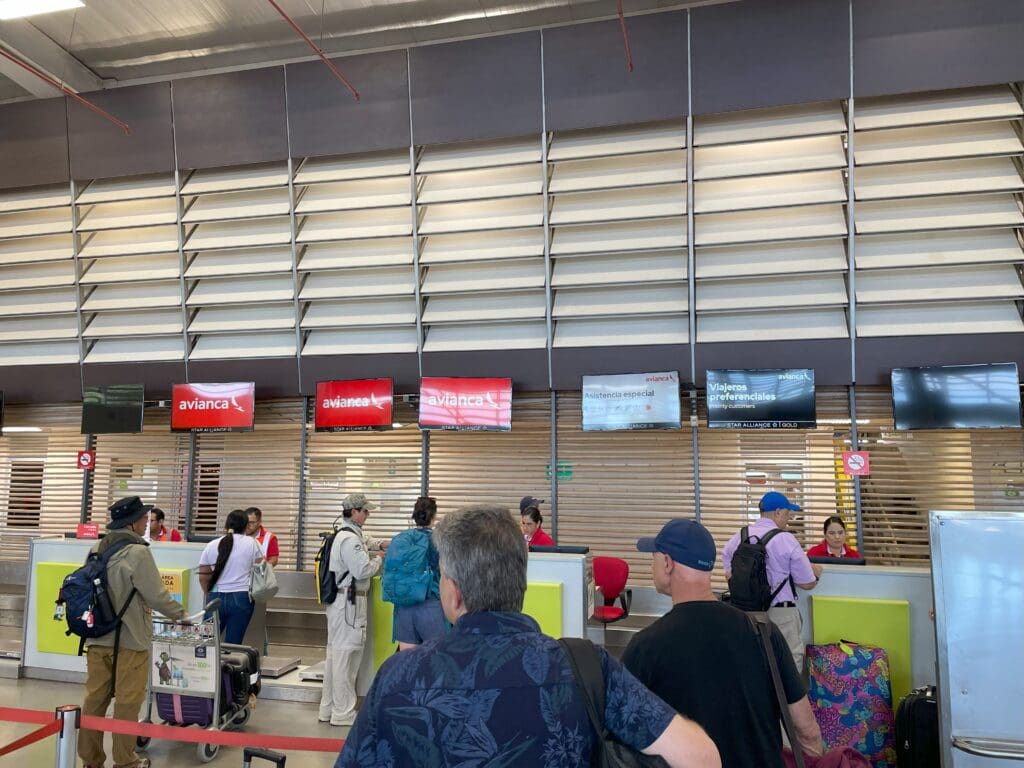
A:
[610,574]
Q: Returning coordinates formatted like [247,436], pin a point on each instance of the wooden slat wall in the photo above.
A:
[495,467]
[623,485]
[385,466]
[54,505]
[913,472]
[152,465]
[236,470]
[738,467]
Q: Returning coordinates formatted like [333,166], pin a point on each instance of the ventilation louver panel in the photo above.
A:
[940,212]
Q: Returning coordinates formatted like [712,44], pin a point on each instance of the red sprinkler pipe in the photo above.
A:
[64,89]
[625,37]
[316,48]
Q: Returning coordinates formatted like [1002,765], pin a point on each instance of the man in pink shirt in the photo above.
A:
[787,567]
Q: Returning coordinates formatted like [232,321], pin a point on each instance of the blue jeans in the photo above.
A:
[235,612]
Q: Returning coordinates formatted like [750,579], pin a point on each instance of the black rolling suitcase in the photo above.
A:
[917,729]
[242,663]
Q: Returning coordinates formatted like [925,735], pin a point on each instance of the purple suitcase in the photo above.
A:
[178,709]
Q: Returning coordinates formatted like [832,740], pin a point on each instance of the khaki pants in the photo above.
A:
[346,634]
[790,624]
[132,668]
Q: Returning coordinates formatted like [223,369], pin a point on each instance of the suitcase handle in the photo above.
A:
[267,754]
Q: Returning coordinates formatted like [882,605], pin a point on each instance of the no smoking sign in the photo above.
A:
[86,459]
[856,463]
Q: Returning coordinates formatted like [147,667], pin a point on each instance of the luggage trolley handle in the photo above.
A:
[266,754]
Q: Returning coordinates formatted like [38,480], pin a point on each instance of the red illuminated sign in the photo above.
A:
[87,531]
[466,404]
[213,407]
[355,405]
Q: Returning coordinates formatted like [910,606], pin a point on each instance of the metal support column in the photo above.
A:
[190,488]
[424,462]
[851,393]
[303,478]
[87,482]
[554,466]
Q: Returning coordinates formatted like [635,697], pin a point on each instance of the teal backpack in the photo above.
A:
[408,575]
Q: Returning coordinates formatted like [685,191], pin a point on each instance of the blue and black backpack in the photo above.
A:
[408,573]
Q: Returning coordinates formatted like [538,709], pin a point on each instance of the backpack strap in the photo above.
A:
[763,627]
[788,580]
[117,641]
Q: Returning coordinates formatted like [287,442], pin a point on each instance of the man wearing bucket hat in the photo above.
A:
[787,566]
[707,662]
[132,578]
[355,559]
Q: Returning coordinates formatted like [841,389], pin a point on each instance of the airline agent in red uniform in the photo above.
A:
[157,531]
[532,531]
[266,540]
[834,544]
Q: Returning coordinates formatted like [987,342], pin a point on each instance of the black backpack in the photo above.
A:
[749,589]
[326,579]
[84,601]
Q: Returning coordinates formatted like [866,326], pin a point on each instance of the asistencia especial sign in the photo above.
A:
[631,401]
[765,398]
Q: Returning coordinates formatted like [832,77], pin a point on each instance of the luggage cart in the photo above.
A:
[186,679]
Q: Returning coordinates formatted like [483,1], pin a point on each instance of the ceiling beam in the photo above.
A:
[27,43]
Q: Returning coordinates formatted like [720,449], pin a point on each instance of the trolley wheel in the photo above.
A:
[206,752]
[142,742]
[242,717]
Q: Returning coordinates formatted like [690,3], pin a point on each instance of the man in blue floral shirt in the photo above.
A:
[495,692]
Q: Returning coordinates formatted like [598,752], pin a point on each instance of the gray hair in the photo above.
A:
[483,551]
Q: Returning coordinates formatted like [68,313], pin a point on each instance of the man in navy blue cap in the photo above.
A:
[705,659]
[787,566]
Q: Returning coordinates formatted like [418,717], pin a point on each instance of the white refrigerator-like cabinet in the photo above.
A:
[978,578]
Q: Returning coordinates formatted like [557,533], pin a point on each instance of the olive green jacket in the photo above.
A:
[134,566]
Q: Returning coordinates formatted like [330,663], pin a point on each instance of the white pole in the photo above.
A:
[67,737]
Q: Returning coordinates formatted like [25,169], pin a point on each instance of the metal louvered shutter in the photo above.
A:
[614,487]
[40,483]
[737,467]
[152,465]
[386,466]
[494,467]
[913,472]
[235,470]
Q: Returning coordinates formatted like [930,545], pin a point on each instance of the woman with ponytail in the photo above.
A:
[224,572]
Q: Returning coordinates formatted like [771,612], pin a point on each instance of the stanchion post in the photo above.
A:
[67,737]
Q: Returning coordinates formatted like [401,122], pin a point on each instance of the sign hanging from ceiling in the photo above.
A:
[466,404]
[213,407]
[764,398]
[356,405]
[631,401]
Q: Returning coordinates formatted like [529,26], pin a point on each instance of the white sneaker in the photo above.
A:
[324,716]
[347,720]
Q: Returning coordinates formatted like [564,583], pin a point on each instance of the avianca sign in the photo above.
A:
[470,404]
[213,407]
[354,405]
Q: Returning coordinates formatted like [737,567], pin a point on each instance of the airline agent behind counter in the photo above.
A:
[533,533]
[834,544]
[157,531]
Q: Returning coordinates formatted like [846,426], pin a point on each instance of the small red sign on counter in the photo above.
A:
[213,407]
[353,405]
[466,404]
[856,463]
[86,459]
[87,531]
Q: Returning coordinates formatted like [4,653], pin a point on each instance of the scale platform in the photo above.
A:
[277,666]
[313,672]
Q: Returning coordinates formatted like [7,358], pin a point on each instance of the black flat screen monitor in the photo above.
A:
[838,560]
[765,398]
[115,409]
[956,397]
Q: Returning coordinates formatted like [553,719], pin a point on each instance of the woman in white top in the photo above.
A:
[224,572]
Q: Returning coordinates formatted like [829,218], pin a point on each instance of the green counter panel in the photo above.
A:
[882,623]
[543,602]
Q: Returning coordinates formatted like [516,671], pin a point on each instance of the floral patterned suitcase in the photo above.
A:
[852,700]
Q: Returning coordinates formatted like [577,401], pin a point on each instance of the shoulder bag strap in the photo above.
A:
[763,627]
[585,661]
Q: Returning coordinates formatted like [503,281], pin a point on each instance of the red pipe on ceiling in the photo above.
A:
[316,48]
[64,89]
[625,37]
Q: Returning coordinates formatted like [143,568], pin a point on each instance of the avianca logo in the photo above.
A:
[659,378]
[448,399]
[340,403]
[199,404]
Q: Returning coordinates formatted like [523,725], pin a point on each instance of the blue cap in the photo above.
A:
[687,542]
[773,501]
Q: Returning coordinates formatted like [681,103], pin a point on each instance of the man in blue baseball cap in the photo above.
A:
[785,565]
[706,661]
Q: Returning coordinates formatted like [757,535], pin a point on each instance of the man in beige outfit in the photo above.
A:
[132,568]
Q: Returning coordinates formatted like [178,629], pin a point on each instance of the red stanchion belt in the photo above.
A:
[37,735]
[169,732]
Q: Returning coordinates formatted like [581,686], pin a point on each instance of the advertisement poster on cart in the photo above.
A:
[188,667]
[356,405]
[762,398]
[631,401]
[213,407]
[466,404]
